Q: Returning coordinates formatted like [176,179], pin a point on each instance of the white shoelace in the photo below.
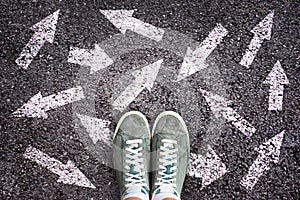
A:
[133,158]
[168,157]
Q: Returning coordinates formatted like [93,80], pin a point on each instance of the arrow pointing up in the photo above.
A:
[37,106]
[194,60]
[97,129]
[208,167]
[68,173]
[276,79]
[144,78]
[261,32]
[220,108]
[123,20]
[97,59]
[268,152]
[44,32]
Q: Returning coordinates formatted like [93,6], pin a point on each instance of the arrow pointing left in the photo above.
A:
[37,106]
[268,152]
[44,32]
[68,173]
[144,78]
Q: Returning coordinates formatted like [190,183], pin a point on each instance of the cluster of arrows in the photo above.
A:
[209,167]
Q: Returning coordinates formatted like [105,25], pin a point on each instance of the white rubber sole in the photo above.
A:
[172,113]
[132,113]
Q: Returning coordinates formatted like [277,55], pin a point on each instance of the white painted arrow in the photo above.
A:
[44,32]
[194,60]
[276,79]
[208,167]
[123,20]
[68,173]
[268,152]
[97,59]
[37,106]
[220,108]
[261,32]
[97,129]
[144,78]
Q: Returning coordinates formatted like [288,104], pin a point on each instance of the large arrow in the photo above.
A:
[97,129]
[97,59]
[208,167]
[194,60]
[276,79]
[261,32]
[68,173]
[37,106]
[220,108]
[144,78]
[44,32]
[123,20]
[268,152]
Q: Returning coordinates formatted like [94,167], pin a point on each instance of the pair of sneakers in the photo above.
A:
[151,162]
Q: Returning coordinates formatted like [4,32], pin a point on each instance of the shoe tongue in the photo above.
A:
[134,189]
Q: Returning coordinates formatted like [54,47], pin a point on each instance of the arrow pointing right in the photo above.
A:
[268,152]
[276,79]
[144,78]
[68,174]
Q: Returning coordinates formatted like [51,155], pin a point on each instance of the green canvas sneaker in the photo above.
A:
[170,155]
[131,155]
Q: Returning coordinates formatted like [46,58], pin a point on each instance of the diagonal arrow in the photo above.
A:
[268,152]
[37,106]
[68,173]
[44,32]
[208,167]
[123,20]
[97,129]
[220,108]
[261,32]
[194,60]
[97,59]
[144,78]
[276,79]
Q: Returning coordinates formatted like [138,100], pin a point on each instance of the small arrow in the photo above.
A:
[123,20]
[276,79]
[194,60]
[220,108]
[144,78]
[97,129]
[68,173]
[97,59]
[268,152]
[37,106]
[44,32]
[261,32]
[209,168]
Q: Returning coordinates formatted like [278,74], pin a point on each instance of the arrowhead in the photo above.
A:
[31,108]
[97,128]
[73,176]
[99,59]
[277,75]
[119,18]
[47,27]
[271,148]
[147,75]
[209,168]
[263,29]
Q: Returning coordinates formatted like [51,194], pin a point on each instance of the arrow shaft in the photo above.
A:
[276,97]
[62,98]
[255,171]
[252,51]
[44,160]
[145,29]
[79,56]
[31,49]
